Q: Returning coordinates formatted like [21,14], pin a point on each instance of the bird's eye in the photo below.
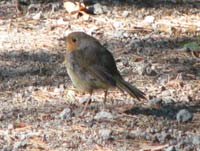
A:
[74,40]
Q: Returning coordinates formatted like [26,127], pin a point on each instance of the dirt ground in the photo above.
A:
[39,109]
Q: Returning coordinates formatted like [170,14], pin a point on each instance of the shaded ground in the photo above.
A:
[35,87]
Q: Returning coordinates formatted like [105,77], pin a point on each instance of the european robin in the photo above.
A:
[91,66]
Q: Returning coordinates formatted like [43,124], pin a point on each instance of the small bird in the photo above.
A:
[91,66]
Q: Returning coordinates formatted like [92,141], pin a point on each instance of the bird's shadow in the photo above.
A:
[167,111]
[20,67]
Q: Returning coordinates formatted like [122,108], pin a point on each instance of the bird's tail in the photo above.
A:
[130,89]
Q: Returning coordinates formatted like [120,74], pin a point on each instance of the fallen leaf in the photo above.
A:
[73,8]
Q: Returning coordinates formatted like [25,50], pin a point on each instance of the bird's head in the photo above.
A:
[76,40]
[80,41]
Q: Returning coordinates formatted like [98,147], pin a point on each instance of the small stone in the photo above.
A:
[183,115]
[168,100]
[2,116]
[99,9]
[196,140]
[140,68]
[66,114]
[6,148]
[162,79]
[105,133]
[150,70]
[10,126]
[37,16]
[163,136]
[171,148]
[117,24]
[166,93]
[57,90]
[185,98]
[19,145]
[136,133]
[188,140]
[124,71]
[103,115]
[125,13]
[155,102]
[149,19]
[60,21]
[126,35]
[84,99]
[189,147]
[117,34]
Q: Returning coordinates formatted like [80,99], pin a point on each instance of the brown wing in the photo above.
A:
[99,62]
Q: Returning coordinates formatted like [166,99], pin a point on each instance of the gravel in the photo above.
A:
[163,137]
[155,102]
[196,140]
[183,115]
[105,133]
[171,148]
[100,9]
[66,114]
[36,113]
[103,115]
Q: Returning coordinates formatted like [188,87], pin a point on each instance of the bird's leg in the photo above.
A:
[104,100]
[87,102]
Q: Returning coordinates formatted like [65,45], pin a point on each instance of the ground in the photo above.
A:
[39,109]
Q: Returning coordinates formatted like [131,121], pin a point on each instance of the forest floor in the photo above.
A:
[154,45]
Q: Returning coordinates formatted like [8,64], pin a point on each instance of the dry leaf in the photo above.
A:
[73,8]
[192,29]
[164,28]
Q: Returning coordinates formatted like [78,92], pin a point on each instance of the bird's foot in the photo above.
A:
[85,101]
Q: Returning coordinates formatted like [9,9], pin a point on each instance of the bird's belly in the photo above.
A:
[84,81]
[79,81]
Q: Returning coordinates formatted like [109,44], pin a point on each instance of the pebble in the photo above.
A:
[150,70]
[168,100]
[10,126]
[171,148]
[183,115]
[196,140]
[118,34]
[149,19]
[185,98]
[66,114]
[155,102]
[37,16]
[140,67]
[2,116]
[166,93]
[103,115]
[189,147]
[136,43]
[105,133]
[163,136]
[126,35]
[19,145]
[162,79]
[84,99]
[6,148]
[100,9]
[124,71]
[117,24]
[125,13]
